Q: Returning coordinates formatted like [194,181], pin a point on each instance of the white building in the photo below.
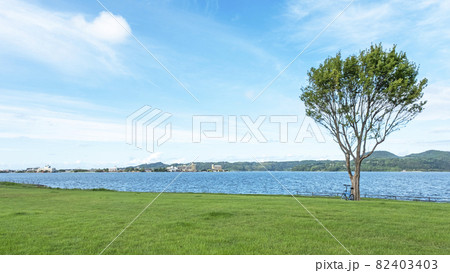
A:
[46,169]
[188,168]
[172,169]
[216,168]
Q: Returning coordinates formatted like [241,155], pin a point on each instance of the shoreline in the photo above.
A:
[426,199]
[251,171]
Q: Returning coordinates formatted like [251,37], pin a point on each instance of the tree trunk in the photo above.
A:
[355,181]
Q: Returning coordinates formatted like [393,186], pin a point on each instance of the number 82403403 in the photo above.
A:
[406,264]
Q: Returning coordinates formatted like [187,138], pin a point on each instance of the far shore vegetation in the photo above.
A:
[379,161]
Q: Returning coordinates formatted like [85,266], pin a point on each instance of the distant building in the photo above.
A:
[46,169]
[112,170]
[188,168]
[32,170]
[216,168]
[172,169]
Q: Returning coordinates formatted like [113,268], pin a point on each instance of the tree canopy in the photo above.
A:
[363,98]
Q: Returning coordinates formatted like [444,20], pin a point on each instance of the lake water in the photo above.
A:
[421,184]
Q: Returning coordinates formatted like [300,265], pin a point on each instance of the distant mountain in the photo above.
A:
[385,161]
[442,155]
[383,154]
[153,165]
[379,161]
[150,166]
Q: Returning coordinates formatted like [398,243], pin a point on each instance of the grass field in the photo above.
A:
[37,220]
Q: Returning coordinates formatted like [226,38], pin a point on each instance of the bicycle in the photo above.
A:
[348,195]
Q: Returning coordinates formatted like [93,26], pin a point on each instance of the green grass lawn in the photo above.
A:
[37,220]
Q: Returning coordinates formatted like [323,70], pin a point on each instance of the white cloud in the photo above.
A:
[360,23]
[64,40]
[366,22]
[104,27]
[298,10]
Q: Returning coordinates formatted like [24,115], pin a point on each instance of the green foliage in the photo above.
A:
[364,98]
[134,169]
[101,189]
[152,165]
[386,162]
[383,154]
[55,221]
[235,166]
[320,166]
[378,161]
[431,154]
[20,185]
[80,170]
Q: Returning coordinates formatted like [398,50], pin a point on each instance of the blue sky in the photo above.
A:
[71,74]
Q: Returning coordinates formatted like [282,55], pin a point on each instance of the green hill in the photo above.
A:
[385,161]
[379,161]
[383,154]
[431,154]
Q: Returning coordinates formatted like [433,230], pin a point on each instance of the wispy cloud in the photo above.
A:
[43,116]
[51,125]
[367,22]
[67,41]
[55,117]
[438,103]
[33,100]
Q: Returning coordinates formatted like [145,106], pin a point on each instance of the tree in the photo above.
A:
[363,99]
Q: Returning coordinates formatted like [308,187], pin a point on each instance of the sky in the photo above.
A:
[73,72]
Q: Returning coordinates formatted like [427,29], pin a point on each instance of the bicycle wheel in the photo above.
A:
[351,197]
[344,196]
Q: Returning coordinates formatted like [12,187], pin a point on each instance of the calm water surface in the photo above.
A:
[372,183]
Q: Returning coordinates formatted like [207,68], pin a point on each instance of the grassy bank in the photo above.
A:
[39,220]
